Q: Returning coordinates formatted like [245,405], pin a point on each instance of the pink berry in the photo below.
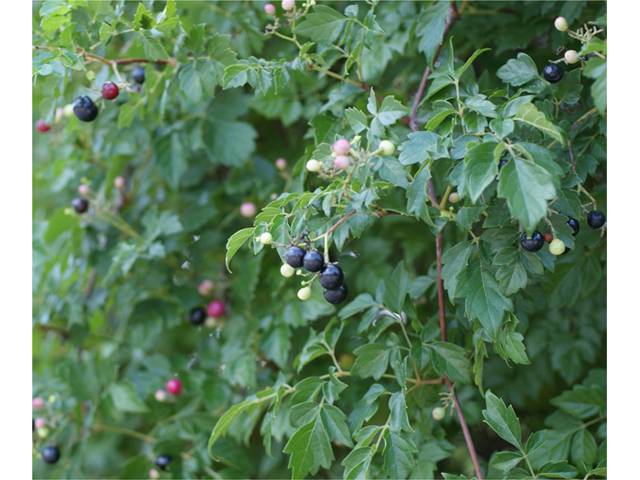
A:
[270,9]
[84,190]
[341,161]
[59,114]
[42,127]
[205,287]
[174,386]
[273,196]
[216,308]
[342,146]
[40,423]
[288,4]
[37,402]
[281,164]
[248,209]
[161,395]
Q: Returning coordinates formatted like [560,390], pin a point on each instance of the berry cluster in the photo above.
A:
[344,155]
[534,243]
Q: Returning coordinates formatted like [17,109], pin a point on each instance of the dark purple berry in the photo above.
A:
[51,454]
[294,256]
[198,315]
[532,244]
[80,205]
[553,73]
[162,461]
[574,224]
[336,296]
[331,277]
[85,109]
[502,163]
[313,261]
[138,74]
[596,219]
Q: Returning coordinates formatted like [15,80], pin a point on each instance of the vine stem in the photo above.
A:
[452,16]
[123,431]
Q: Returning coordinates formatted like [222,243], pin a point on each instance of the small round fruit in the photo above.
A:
[198,315]
[281,164]
[109,91]
[80,205]
[313,261]
[571,56]
[43,432]
[553,73]
[174,386]
[153,474]
[205,287]
[548,236]
[294,256]
[85,109]
[42,127]
[287,270]
[502,163]
[270,9]
[84,189]
[248,209]
[557,247]
[266,238]
[37,403]
[138,74]
[162,461]
[342,146]
[67,110]
[561,24]
[304,293]
[341,161]
[40,423]
[454,197]
[438,413]
[51,454]
[313,165]
[216,308]
[336,296]
[288,4]
[532,244]
[331,276]
[119,183]
[387,147]
[596,219]
[574,224]
[160,395]
[346,361]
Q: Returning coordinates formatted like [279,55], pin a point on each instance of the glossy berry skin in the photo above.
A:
[596,219]
[174,386]
[532,244]
[85,109]
[216,308]
[557,247]
[313,261]
[548,236]
[198,315]
[162,461]
[502,163]
[553,73]
[80,205]
[574,224]
[109,91]
[51,454]
[294,256]
[138,74]
[331,277]
[336,296]
[438,413]
[42,127]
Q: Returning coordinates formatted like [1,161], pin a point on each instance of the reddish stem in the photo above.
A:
[341,220]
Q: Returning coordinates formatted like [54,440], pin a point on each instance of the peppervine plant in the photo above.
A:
[433,257]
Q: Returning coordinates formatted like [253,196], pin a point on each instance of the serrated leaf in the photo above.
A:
[455,261]
[310,449]
[582,402]
[396,289]
[322,25]
[430,28]
[398,455]
[530,115]
[372,360]
[480,168]
[450,360]
[335,423]
[398,419]
[235,242]
[503,420]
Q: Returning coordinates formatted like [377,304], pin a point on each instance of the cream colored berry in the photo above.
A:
[266,238]
[387,147]
[557,247]
[304,293]
[571,56]
[313,165]
[287,270]
[561,24]
[454,197]
[438,413]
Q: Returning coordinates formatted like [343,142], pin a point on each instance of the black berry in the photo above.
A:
[162,461]
[138,74]
[553,73]
[109,91]
[51,454]
[80,205]
[331,277]
[532,244]
[198,315]
[293,256]
[574,224]
[85,109]
[502,163]
[313,261]
[596,219]
[336,296]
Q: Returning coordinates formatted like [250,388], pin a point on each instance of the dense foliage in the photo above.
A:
[180,148]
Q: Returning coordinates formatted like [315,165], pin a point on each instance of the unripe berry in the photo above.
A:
[438,413]
[548,237]
[454,197]
[37,403]
[287,270]
[205,287]
[313,165]
[248,209]
[561,24]
[346,361]
[160,395]
[571,56]
[270,9]
[119,183]
[557,247]
[210,322]
[42,432]
[216,308]
[84,190]
[67,111]
[288,4]
[281,164]
[266,238]
[341,161]
[40,423]
[41,126]
[342,146]
[59,114]
[273,196]
[153,474]
[304,293]
[109,91]
[387,147]
[174,386]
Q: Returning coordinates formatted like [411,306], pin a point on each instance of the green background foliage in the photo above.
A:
[278,387]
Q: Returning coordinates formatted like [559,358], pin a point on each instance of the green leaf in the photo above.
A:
[512,278]
[125,398]
[356,464]
[361,302]
[417,195]
[584,448]
[126,114]
[480,168]
[357,119]
[530,115]
[505,461]
[582,402]
[557,470]
[386,115]
[450,360]
[372,360]
[455,262]
[518,71]
[235,242]
[503,420]
[310,449]
[396,289]
[430,29]
[392,171]
[398,419]
[421,146]
[335,423]
[323,25]
[398,455]
[366,407]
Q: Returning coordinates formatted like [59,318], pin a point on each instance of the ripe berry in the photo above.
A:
[313,165]
[84,189]
[502,163]
[205,287]
[270,9]
[51,454]
[331,276]
[532,244]
[216,308]
[138,74]
[336,296]
[574,224]
[160,395]
[174,386]
[387,147]
[110,91]
[596,219]
[119,183]
[571,56]
[266,238]
[281,163]
[438,413]
[162,461]
[548,236]
[341,161]
[342,146]
[42,127]
[304,293]
[454,197]
[287,270]
[553,73]
[85,109]
[37,403]
[313,261]
[80,205]
[198,315]
[40,423]
[294,256]
[288,4]
[557,247]
[248,209]
[561,24]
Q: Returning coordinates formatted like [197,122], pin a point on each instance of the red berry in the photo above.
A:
[110,91]
[548,236]
[42,127]
[37,402]
[216,308]
[174,386]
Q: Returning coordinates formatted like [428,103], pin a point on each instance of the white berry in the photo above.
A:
[561,24]
[288,4]
[454,197]
[270,9]
[571,56]
[313,165]
[438,413]
[557,247]
[287,270]
[387,147]
[304,293]
[266,238]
